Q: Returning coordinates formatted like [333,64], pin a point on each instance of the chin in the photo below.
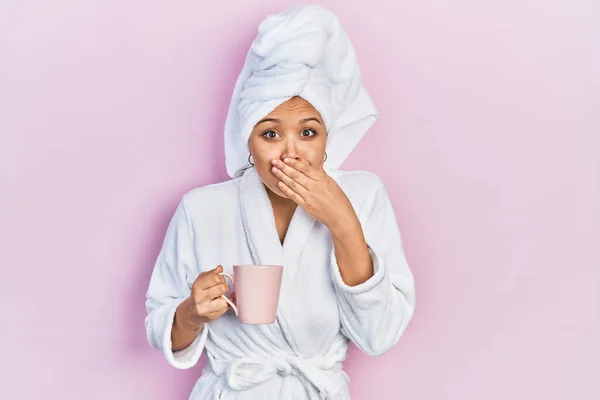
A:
[275,189]
[270,183]
[278,192]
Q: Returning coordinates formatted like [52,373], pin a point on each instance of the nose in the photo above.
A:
[290,150]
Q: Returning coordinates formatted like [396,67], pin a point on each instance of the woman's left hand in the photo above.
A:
[315,191]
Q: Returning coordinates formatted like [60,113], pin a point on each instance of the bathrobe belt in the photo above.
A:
[245,373]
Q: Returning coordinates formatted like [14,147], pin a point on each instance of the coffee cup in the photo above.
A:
[256,290]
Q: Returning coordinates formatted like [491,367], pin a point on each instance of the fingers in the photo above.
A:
[206,294]
[217,314]
[217,307]
[289,182]
[303,166]
[291,194]
[216,291]
[209,279]
[294,174]
[210,309]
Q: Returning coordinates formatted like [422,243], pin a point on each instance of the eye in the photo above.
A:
[270,134]
[308,133]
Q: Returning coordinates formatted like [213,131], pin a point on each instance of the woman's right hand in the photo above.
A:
[205,302]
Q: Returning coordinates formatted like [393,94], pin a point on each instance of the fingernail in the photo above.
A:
[286,160]
[274,162]
[274,170]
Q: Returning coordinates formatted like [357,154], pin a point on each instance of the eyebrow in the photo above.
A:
[302,121]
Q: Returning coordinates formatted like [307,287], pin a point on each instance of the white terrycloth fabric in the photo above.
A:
[303,51]
[300,356]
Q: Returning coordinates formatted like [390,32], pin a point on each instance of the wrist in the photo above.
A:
[344,226]
[184,317]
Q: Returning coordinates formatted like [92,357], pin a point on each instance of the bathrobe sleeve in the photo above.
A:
[168,288]
[375,313]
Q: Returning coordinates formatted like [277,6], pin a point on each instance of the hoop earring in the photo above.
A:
[249,161]
[325,157]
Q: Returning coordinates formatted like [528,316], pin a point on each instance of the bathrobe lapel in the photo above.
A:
[263,241]
[259,223]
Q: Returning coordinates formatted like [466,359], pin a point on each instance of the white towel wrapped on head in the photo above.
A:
[303,51]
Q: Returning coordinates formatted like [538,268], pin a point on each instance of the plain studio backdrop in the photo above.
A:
[488,143]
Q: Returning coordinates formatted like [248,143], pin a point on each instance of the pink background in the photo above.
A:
[488,142]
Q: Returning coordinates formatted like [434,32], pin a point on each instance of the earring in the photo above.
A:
[249,161]
[325,157]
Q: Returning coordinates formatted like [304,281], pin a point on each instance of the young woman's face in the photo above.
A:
[293,130]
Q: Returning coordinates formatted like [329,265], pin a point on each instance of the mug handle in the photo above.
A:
[225,298]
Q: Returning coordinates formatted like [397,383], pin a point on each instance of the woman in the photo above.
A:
[297,111]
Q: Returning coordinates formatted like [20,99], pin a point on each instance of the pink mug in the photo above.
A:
[257,290]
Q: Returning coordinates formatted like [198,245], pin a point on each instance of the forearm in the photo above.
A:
[183,332]
[351,252]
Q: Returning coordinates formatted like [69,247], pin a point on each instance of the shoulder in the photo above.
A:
[216,197]
[365,190]
[357,182]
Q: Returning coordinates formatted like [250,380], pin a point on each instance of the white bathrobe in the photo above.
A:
[300,356]
[303,51]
